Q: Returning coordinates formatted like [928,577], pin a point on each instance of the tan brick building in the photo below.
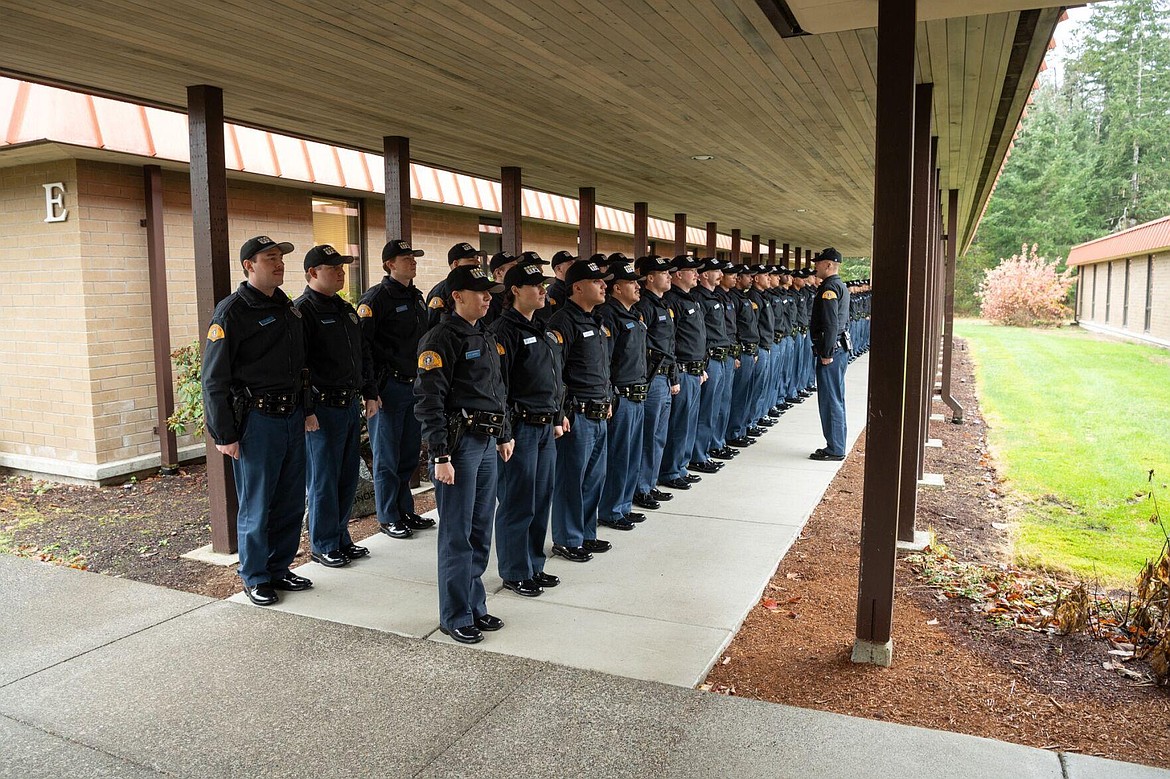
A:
[77,395]
[1123,283]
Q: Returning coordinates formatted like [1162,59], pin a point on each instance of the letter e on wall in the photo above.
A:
[55,210]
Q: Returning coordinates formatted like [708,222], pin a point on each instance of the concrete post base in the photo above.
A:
[204,554]
[937,417]
[873,653]
[920,542]
[934,443]
[933,481]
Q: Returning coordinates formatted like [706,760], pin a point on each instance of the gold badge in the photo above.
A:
[671,312]
[755,307]
[829,295]
[429,360]
[214,333]
[605,330]
[365,312]
[500,349]
[557,334]
[436,302]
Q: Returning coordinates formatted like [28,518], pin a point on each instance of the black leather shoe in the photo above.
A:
[415,522]
[527,587]
[755,432]
[821,454]
[740,443]
[728,452]
[675,484]
[775,412]
[465,635]
[292,583]
[396,530]
[707,467]
[545,579]
[692,478]
[617,524]
[718,454]
[805,393]
[330,559]
[765,421]
[797,399]
[636,516]
[261,594]
[596,545]
[644,501]
[574,554]
[354,552]
[489,623]
[660,496]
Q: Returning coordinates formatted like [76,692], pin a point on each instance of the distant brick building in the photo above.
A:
[1123,283]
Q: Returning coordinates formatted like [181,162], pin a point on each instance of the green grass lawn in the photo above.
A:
[1076,422]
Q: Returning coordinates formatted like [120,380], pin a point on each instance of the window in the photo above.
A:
[1108,290]
[491,235]
[1125,298]
[1149,289]
[338,222]
[1093,299]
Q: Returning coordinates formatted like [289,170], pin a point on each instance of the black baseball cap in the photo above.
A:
[254,246]
[500,259]
[623,271]
[462,251]
[650,263]
[830,254]
[532,258]
[585,271]
[732,269]
[471,277]
[326,255]
[712,263]
[599,259]
[563,256]
[525,274]
[618,257]
[399,248]
[685,262]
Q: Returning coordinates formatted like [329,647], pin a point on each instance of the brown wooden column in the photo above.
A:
[771,251]
[808,263]
[587,222]
[396,162]
[797,263]
[755,248]
[948,344]
[712,239]
[213,275]
[784,255]
[160,319]
[736,255]
[680,234]
[912,427]
[641,229]
[511,204]
[886,401]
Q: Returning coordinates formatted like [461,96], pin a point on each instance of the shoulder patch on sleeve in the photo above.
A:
[557,335]
[436,302]
[500,348]
[364,311]
[671,312]
[605,330]
[829,295]
[214,333]
[429,360]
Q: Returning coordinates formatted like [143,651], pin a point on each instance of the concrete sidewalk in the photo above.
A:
[103,677]
[661,606]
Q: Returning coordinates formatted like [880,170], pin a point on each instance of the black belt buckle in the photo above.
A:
[634,392]
[735,350]
[597,410]
[719,353]
[487,423]
[540,418]
[276,403]
[663,370]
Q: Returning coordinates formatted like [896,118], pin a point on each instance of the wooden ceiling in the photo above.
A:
[612,94]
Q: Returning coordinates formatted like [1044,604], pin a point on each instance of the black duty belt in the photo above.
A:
[489,423]
[735,350]
[663,370]
[337,398]
[597,410]
[765,345]
[750,348]
[718,353]
[778,337]
[405,378]
[634,392]
[693,367]
[276,404]
[535,417]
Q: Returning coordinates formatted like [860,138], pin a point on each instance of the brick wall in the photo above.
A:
[1115,293]
[1160,313]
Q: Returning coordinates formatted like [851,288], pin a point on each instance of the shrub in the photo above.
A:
[188,416]
[1026,290]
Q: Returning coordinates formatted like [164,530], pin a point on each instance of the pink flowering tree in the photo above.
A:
[1026,290]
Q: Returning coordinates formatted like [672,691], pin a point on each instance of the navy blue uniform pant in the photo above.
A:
[525,496]
[831,400]
[710,403]
[684,425]
[396,439]
[741,392]
[581,465]
[655,425]
[622,458]
[465,530]
[333,455]
[723,412]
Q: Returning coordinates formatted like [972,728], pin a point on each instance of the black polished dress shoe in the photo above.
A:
[574,554]
[822,455]
[354,552]
[464,635]
[396,530]
[692,478]
[765,421]
[660,496]
[797,399]
[262,594]
[526,587]
[718,454]
[636,516]
[805,393]
[775,412]
[415,522]
[644,501]
[755,432]
[292,583]
[675,484]
[330,559]
[545,579]
[617,524]
[489,623]
[728,452]
[740,443]
[596,545]
[707,467]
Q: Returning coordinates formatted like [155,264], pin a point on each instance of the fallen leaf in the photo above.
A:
[792,575]
[1000,525]
[771,604]
[932,622]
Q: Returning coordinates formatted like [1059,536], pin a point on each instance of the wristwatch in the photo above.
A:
[446,458]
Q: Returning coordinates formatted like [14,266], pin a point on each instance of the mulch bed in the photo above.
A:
[954,669]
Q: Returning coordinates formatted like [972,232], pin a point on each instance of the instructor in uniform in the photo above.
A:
[830,346]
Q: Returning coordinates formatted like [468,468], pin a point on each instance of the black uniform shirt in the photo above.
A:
[729,302]
[333,343]
[393,319]
[786,303]
[659,319]
[458,368]
[830,315]
[530,359]
[495,308]
[747,318]
[766,320]
[804,310]
[255,341]
[627,343]
[690,334]
[437,301]
[714,316]
[586,355]
[557,291]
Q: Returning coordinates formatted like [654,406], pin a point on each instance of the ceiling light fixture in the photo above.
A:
[801,210]
[702,157]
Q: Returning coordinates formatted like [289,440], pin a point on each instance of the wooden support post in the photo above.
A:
[396,164]
[680,234]
[512,239]
[808,263]
[949,308]
[587,222]
[784,256]
[771,251]
[641,229]
[213,269]
[755,248]
[798,261]
[712,238]
[887,387]
[736,255]
[160,320]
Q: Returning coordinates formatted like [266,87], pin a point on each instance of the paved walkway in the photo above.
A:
[661,606]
